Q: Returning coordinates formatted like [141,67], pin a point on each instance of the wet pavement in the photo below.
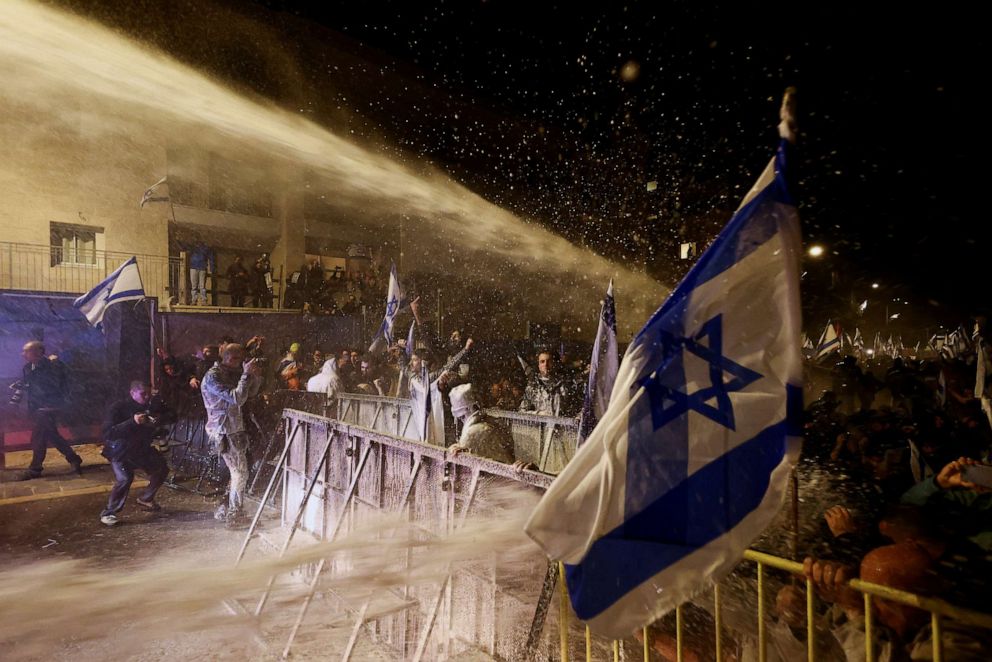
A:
[58,514]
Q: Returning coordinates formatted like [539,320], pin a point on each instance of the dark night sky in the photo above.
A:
[528,108]
[888,113]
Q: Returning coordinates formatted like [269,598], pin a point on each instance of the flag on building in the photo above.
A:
[829,341]
[858,341]
[395,303]
[149,195]
[863,307]
[692,459]
[602,368]
[122,285]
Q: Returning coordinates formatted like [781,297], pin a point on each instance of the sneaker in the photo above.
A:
[148,505]
[77,467]
[221,513]
[109,520]
[28,475]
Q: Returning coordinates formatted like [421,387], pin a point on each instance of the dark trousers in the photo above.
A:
[46,431]
[151,463]
[238,299]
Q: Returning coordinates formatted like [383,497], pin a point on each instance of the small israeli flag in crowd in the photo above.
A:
[395,303]
[829,341]
[122,285]
[602,368]
[691,461]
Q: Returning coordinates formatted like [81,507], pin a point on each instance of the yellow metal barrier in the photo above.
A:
[938,609]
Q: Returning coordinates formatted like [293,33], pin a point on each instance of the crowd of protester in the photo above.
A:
[885,495]
[884,483]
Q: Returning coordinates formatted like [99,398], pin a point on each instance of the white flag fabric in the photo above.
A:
[602,368]
[122,285]
[692,459]
[395,303]
[149,194]
[829,341]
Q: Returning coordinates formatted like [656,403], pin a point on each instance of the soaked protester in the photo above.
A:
[327,381]
[226,388]
[549,391]
[480,435]
[128,432]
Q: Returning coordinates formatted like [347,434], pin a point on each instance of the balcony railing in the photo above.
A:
[39,268]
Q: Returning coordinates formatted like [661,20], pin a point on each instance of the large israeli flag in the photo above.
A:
[691,461]
[395,303]
[122,285]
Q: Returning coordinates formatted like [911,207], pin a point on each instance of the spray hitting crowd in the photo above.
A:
[892,484]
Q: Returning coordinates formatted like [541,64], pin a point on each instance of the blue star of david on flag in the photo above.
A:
[668,403]
[691,460]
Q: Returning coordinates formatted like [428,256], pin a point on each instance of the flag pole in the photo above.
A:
[151,344]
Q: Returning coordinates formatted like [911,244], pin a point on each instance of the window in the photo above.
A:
[73,244]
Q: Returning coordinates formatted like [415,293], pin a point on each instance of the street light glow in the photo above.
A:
[874,286]
[816,250]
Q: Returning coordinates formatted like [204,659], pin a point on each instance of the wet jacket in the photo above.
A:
[224,392]
[47,384]
[482,436]
[551,396]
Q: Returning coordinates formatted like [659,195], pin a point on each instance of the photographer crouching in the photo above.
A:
[128,432]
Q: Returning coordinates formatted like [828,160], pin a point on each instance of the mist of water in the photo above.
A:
[57,63]
[58,609]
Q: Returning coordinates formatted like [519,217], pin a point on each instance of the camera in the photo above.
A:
[18,392]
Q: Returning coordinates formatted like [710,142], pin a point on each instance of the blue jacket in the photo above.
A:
[201,257]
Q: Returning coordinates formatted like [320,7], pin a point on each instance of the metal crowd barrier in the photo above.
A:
[547,441]
[939,610]
[380,413]
[334,475]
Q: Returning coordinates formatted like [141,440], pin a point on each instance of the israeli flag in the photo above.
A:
[692,459]
[395,303]
[829,341]
[603,367]
[149,194]
[122,285]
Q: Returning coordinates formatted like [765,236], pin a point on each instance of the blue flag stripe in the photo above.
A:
[691,518]
[125,294]
[83,300]
[752,225]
